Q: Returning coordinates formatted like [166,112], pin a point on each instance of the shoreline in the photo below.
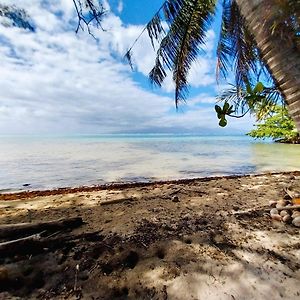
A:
[119,185]
[205,238]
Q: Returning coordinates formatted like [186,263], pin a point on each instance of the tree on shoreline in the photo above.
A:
[267,105]
[278,125]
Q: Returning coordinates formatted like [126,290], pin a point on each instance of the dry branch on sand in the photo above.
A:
[37,241]
[13,230]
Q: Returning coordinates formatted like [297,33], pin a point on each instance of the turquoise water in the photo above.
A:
[63,161]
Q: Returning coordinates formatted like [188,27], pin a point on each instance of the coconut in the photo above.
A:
[296,221]
[272,203]
[276,217]
[296,214]
[284,213]
[281,203]
[286,218]
[274,211]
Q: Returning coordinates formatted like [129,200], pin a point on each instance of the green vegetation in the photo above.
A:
[266,104]
[279,126]
[224,111]
[253,36]
[250,42]
[258,100]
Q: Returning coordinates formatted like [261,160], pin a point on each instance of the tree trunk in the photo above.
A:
[281,58]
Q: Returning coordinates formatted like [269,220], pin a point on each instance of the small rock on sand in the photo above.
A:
[296,221]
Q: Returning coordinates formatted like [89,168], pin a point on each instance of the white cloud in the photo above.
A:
[200,99]
[122,37]
[57,82]
[120,6]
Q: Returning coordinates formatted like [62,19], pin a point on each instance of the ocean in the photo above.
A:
[47,162]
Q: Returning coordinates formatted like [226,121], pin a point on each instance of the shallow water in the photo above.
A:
[50,162]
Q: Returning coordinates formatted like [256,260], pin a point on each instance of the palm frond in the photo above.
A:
[261,104]
[155,29]
[188,23]
[236,48]
[128,58]
[166,13]
[285,21]
[271,99]
[235,96]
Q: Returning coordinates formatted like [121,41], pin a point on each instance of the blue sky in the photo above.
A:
[53,81]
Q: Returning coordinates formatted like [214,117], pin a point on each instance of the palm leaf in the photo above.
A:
[285,21]
[236,48]
[243,100]
[128,57]
[188,22]
[166,13]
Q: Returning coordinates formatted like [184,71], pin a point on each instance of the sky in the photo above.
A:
[54,81]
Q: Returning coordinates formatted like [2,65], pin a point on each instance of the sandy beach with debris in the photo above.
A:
[209,238]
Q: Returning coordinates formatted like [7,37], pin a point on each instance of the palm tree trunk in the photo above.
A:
[282,59]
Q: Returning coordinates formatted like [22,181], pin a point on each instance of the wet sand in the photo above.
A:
[207,238]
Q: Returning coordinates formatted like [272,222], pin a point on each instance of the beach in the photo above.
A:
[149,150]
[189,239]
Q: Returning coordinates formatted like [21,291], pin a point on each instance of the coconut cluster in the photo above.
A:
[285,211]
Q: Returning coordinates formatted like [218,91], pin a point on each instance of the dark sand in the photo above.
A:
[190,239]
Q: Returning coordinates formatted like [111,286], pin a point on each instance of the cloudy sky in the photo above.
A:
[54,81]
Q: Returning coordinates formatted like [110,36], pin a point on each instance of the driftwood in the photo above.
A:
[288,207]
[36,243]
[22,229]
[116,201]
[31,237]
[292,194]
[10,248]
[32,244]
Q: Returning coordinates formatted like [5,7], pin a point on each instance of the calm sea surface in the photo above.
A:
[50,162]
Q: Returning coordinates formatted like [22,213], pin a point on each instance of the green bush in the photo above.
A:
[279,126]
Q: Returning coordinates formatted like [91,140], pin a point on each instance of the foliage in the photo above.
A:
[285,22]
[279,126]
[14,16]
[258,100]
[236,46]
[180,27]
[89,12]
[222,112]
[266,104]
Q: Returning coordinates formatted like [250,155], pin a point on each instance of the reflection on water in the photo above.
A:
[275,157]
[45,162]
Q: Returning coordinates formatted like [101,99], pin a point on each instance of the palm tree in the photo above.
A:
[254,33]
[280,51]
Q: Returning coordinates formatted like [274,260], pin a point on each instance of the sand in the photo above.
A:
[190,239]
